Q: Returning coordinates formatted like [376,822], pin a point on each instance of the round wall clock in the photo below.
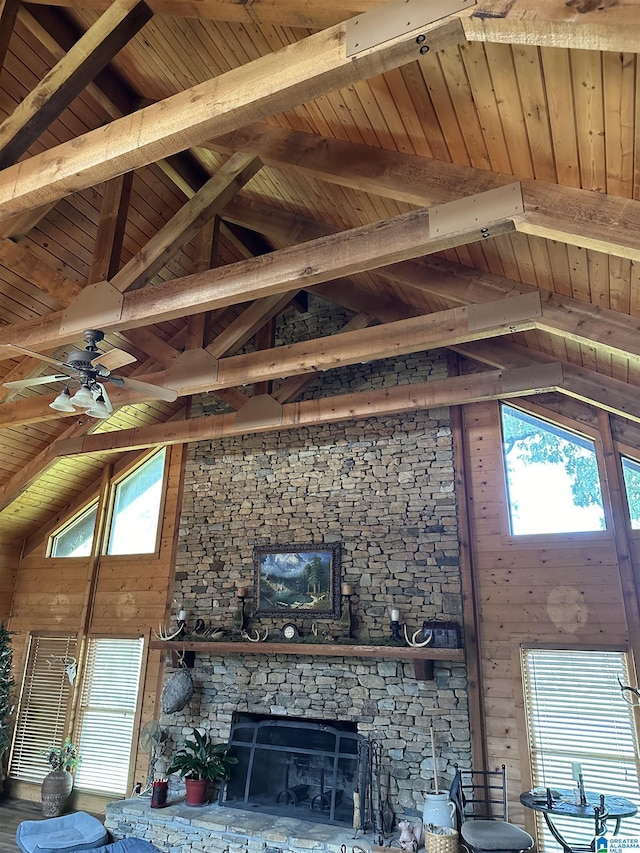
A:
[290,631]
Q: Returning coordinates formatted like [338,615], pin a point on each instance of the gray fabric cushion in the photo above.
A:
[71,832]
[495,835]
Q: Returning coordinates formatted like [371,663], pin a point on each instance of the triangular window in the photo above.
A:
[76,538]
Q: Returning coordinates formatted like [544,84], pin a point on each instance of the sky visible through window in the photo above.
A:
[552,477]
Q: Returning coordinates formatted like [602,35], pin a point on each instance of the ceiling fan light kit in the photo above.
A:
[63,403]
[83,398]
[91,369]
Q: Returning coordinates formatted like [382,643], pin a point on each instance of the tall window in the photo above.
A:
[631,473]
[43,711]
[106,714]
[136,509]
[76,538]
[576,713]
[553,484]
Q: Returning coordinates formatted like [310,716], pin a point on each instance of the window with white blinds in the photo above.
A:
[106,714]
[43,710]
[576,713]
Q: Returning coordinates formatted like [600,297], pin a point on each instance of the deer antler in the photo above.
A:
[413,642]
[163,633]
[626,689]
[257,638]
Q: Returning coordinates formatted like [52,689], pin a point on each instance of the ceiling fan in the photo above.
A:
[91,369]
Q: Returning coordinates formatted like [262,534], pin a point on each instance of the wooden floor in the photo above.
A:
[13,812]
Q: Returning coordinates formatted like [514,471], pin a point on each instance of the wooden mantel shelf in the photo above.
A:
[422,658]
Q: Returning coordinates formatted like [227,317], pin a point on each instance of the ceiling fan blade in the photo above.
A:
[158,392]
[113,359]
[36,380]
[37,355]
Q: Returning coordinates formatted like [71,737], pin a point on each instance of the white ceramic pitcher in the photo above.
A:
[438,810]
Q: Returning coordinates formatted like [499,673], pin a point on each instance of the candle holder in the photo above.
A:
[394,615]
[348,619]
[240,620]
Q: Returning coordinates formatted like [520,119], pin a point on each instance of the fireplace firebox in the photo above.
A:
[311,770]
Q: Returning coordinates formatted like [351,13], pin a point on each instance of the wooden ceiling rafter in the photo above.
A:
[590,220]
[305,69]
[421,395]
[91,53]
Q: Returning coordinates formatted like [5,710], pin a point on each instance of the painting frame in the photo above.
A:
[294,560]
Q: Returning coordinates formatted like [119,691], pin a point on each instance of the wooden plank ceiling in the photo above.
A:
[243,131]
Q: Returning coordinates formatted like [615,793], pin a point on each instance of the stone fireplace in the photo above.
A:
[382,487]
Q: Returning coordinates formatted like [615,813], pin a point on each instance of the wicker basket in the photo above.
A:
[436,843]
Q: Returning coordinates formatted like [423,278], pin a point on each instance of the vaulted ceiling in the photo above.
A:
[181,174]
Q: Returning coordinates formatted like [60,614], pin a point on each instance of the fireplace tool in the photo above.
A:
[378,822]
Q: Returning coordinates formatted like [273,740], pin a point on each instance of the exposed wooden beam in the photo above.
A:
[592,220]
[185,224]
[313,14]
[607,330]
[298,72]
[357,250]
[415,334]
[97,47]
[8,13]
[492,385]
[580,383]
[240,330]
[111,227]
[580,24]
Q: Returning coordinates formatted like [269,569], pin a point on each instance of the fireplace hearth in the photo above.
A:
[309,770]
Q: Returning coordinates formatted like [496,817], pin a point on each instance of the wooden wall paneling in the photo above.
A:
[9,560]
[618,71]
[553,589]
[586,74]
[535,110]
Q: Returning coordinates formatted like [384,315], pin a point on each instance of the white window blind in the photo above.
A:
[106,714]
[44,706]
[576,713]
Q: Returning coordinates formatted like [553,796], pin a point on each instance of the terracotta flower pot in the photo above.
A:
[55,792]
[197,790]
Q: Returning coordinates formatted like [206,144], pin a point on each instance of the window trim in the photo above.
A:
[68,522]
[576,538]
[111,499]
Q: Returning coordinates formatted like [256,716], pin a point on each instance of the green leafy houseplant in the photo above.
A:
[201,759]
[63,757]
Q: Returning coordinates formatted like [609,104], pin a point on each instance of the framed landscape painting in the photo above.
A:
[300,579]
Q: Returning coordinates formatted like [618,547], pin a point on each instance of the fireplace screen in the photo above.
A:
[296,768]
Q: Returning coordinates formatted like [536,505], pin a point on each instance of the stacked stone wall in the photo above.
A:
[382,487]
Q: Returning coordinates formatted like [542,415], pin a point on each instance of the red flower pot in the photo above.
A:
[197,790]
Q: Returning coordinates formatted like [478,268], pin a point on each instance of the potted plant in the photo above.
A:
[58,783]
[199,762]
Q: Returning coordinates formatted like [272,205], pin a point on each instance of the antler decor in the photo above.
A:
[257,638]
[629,692]
[163,632]
[413,642]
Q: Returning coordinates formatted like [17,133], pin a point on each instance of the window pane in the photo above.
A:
[44,703]
[631,472]
[576,713]
[136,509]
[76,538]
[553,484]
[107,713]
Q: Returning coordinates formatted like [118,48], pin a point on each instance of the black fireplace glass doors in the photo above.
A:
[296,768]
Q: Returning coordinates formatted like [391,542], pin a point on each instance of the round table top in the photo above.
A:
[563,804]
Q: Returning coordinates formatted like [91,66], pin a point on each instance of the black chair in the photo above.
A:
[480,797]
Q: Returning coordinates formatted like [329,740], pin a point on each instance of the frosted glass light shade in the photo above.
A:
[99,408]
[62,403]
[83,398]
